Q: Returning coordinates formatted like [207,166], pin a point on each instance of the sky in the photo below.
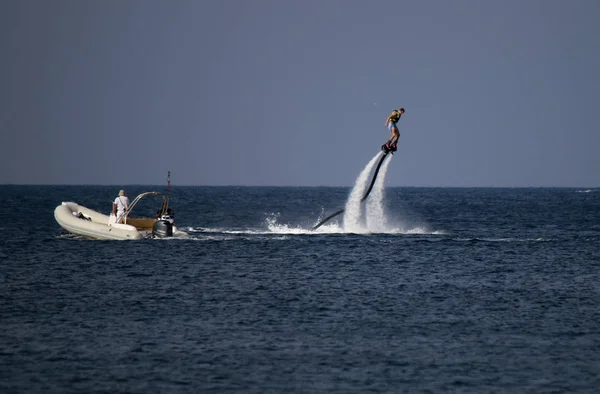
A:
[296,93]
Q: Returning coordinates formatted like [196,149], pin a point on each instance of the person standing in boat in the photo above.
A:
[120,205]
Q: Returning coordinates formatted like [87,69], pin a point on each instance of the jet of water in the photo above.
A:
[376,218]
[353,214]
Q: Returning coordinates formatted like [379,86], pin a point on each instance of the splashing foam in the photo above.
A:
[334,228]
[276,228]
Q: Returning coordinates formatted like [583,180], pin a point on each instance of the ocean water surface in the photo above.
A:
[421,290]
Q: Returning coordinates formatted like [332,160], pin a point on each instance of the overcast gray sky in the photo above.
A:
[277,92]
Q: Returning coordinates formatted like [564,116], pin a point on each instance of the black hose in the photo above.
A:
[374,177]
[361,200]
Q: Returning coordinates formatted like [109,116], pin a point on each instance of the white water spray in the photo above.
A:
[352,215]
[376,219]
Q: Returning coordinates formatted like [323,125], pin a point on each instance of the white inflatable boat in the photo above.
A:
[88,223]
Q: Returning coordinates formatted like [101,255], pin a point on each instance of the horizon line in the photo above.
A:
[294,186]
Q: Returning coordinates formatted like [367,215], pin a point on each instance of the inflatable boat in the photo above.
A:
[88,223]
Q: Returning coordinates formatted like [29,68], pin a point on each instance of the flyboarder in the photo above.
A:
[390,123]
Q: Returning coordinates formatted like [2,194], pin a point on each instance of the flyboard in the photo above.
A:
[386,151]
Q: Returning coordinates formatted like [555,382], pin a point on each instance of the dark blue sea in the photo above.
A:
[459,290]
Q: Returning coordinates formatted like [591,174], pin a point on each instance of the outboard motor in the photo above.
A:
[162,229]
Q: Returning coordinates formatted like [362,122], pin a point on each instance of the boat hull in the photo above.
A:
[88,223]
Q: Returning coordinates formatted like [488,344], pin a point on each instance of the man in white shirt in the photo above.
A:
[120,205]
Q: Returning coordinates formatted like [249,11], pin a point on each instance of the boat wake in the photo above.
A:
[271,226]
